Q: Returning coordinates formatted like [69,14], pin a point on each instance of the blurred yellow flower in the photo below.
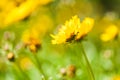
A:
[29,34]
[110,33]
[31,39]
[23,10]
[10,5]
[5,7]
[20,12]
[73,30]
[116,77]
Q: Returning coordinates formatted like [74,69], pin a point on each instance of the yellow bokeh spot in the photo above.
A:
[109,33]
[116,77]
[30,39]
[25,63]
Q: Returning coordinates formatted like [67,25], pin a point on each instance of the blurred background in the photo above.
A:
[26,51]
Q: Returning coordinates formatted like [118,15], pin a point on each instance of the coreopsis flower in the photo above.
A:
[20,12]
[69,71]
[5,7]
[31,39]
[73,29]
[110,33]
[23,10]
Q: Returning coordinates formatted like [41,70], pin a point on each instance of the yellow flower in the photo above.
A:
[73,30]
[19,13]
[31,39]
[10,5]
[116,77]
[109,33]
[86,26]
[24,10]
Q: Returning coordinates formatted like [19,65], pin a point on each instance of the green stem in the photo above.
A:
[44,76]
[88,64]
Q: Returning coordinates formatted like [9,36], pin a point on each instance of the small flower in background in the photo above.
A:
[117,77]
[73,30]
[33,47]
[30,35]
[110,33]
[63,71]
[10,56]
[31,39]
[71,70]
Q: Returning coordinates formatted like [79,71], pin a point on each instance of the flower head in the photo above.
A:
[109,33]
[31,39]
[22,11]
[73,30]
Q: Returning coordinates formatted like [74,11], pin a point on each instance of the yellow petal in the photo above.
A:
[110,33]
[112,29]
[87,24]
[105,37]
[20,12]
